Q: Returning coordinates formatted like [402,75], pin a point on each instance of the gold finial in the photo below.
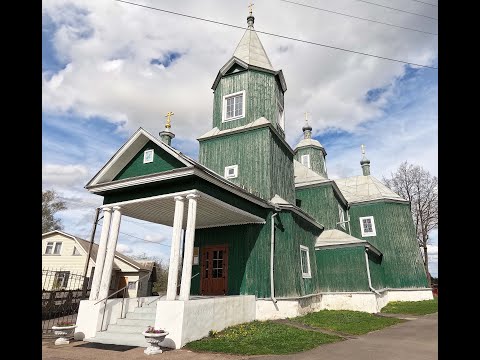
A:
[363,149]
[167,125]
[250,7]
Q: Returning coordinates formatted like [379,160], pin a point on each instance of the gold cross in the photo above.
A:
[168,126]
[363,149]
[251,7]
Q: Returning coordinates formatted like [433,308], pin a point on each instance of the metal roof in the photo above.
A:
[365,188]
[336,237]
[305,175]
[251,51]
[309,142]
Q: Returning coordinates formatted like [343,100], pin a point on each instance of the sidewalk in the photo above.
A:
[412,340]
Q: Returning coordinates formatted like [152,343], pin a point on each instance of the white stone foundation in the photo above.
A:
[192,320]
[355,301]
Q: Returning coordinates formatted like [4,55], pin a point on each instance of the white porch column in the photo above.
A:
[188,252]
[175,249]
[102,247]
[110,255]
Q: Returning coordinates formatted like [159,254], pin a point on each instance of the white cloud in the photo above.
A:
[124,249]
[64,175]
[97,36]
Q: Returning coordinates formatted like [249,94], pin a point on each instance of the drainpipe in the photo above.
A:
[272,247]
[348,219]
[368,274]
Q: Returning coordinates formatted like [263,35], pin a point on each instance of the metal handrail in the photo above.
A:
[123,299]
[151,302]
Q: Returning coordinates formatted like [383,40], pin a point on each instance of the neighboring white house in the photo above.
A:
[63,265]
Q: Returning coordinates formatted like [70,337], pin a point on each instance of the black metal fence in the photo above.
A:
[62,292]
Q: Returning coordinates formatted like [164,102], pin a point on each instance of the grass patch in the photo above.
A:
[345,321]
[412,307]
[261,338]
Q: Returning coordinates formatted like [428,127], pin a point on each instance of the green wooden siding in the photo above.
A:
[321,202]
[291,232]
[262,93]
[162,161]
[249,256]
[257,153]
[402,264]
[317,160]
[342,269]
[182,184]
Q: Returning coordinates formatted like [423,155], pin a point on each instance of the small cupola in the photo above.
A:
[365,163]
[166,135]
[310,152]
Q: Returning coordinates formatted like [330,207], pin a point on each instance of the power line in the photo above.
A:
[357,17]
[391,8]
[425,3]
[280,36]
[136,237]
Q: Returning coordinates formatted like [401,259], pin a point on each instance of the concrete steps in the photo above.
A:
[128,331]
[119,338]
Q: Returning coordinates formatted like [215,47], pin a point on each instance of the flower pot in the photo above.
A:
[64,334]
[154,341]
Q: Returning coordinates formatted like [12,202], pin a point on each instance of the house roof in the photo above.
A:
[363,188]
[336,238]
[84,244]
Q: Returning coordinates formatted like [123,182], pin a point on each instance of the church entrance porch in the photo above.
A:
[214,270]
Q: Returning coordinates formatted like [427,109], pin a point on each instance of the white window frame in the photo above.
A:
[224,106]
[367,234]
[307,275]
[281,117]
[235,172]
[53,245]
[146,155]
[341,216]
[306,156]
[77,253]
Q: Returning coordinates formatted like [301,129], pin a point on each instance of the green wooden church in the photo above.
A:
[265,232]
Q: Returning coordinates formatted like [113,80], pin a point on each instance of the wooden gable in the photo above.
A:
[162,161]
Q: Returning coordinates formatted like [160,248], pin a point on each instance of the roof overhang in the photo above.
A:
[211,212]
[236,61]
[256,124]
[333,238]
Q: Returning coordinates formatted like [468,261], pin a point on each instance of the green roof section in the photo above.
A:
[162,161]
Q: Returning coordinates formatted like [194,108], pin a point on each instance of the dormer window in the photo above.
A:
[233,106]
[305,160]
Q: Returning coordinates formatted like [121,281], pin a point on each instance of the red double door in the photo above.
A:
[214,270]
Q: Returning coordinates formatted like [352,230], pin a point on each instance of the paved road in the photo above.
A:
[412,340]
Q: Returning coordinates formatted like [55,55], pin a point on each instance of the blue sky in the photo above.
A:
[109,68]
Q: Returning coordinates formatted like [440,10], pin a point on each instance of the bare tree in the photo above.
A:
[420,188]
[50,205]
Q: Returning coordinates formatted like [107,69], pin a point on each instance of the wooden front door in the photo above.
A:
[214,270]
